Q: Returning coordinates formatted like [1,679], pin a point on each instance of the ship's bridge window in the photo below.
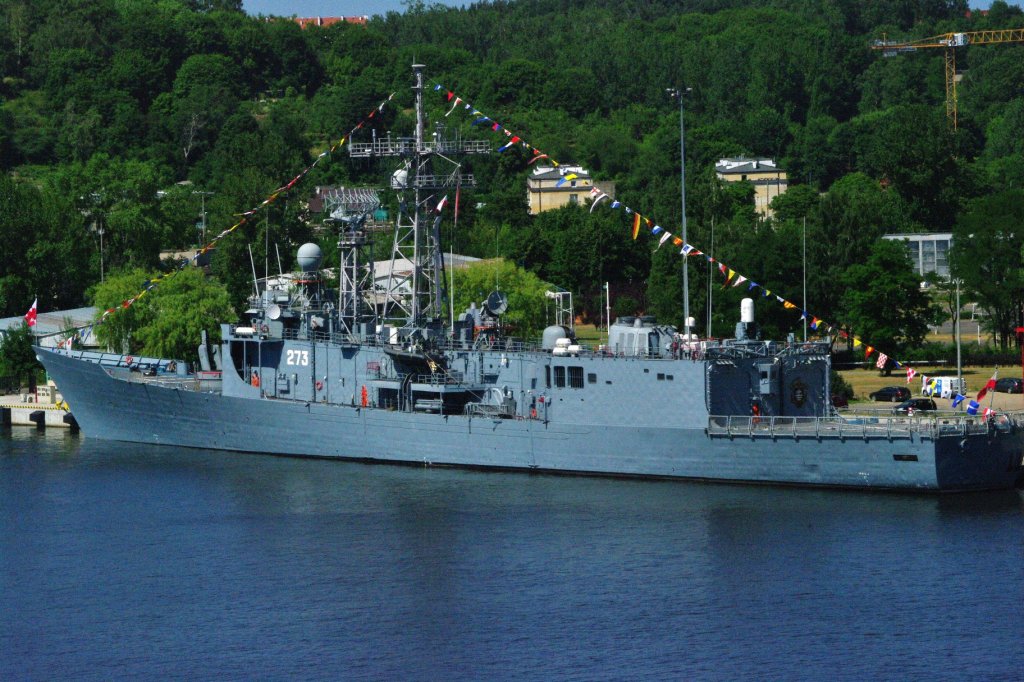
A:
[547,376]
[560,377]
[575,377]
[591,378]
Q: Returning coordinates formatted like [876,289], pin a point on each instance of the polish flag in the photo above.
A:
[440,206]
[988,387]
[30,316]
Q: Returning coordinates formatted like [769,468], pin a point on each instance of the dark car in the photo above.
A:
[1009,385]
[891,394]
[916,405]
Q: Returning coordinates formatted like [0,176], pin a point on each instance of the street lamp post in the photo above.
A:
[679,93]
[959,366]
[202,217]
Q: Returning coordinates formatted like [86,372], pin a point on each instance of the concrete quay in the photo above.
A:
[43,409]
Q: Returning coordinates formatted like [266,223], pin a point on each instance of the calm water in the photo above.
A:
[121,561]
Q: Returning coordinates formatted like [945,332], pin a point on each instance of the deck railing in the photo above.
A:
[864,426]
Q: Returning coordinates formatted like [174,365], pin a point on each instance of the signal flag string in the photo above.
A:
[244,218]
[732,277]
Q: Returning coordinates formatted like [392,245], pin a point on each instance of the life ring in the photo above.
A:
[319,385]
[128,359]
[533,413]
[255,379]
[755,411]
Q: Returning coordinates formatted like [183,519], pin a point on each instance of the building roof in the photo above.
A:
[51,324]
[742,164]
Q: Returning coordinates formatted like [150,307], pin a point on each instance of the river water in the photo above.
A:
[126,561]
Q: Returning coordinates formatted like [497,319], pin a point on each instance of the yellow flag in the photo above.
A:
[636,225]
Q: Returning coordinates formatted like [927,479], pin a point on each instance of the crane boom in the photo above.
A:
[949,42]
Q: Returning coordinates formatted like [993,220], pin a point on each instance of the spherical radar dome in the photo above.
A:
[309,257]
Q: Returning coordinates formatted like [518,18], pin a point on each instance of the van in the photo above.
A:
[943,387]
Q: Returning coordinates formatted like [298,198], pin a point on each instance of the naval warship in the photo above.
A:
[383,373]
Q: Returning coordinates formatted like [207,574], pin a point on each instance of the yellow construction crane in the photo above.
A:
[949,42]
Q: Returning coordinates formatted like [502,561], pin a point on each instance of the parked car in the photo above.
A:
[839,400]
[1009,385]
[916,405]
[891,394]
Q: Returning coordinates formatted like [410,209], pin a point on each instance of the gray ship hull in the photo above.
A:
[111,408]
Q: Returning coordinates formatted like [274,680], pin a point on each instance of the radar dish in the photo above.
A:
[274,312]
[497,302]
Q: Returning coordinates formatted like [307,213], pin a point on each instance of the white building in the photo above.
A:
[928,251]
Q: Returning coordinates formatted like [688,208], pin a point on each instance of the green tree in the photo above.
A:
[17,357]
[883,303]
[167,320]
[986,254]
[527,314]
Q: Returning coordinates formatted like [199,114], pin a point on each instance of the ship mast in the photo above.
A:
[415,294]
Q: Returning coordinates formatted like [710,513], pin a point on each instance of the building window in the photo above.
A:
[559,377]
[574,198]
[575,377]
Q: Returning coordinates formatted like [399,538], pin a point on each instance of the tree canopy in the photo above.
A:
[132,118]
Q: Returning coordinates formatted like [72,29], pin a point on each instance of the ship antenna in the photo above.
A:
[252,262]
[280,270]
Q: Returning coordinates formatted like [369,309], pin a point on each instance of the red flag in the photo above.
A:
[30,316]
[457,189]
[988,387]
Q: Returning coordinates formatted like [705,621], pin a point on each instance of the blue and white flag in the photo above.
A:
[972,407]
[957,399]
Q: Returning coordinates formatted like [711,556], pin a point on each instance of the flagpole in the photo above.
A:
[711,272]
[805,278]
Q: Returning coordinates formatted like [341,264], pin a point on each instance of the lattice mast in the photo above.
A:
[415,287]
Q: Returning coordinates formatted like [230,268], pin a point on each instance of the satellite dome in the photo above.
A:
[309,257]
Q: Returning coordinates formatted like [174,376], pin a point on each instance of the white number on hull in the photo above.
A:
[297,357]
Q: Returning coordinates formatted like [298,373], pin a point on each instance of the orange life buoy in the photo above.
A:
[319,385]
[128,359]
[755,411]
[255,379]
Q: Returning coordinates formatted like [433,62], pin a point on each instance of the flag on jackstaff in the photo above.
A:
[972,407]
[957,399]
[988,412]
[988,386]
[882,359]
[30,316]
